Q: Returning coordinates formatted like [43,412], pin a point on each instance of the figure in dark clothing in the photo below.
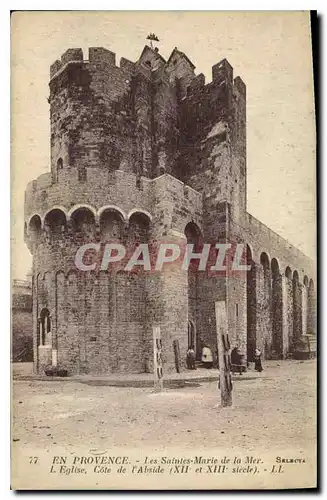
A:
[235,356]
[237,361]
[257,360]
[190,358]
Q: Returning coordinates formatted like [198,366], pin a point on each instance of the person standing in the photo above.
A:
[190,358]
[206,357]
[257,360]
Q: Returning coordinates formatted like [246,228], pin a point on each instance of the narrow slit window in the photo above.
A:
[60,164]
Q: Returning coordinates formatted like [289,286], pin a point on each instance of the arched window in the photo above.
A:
[111,225]
[45,327]
[60,164]
[55,223]
[191,335]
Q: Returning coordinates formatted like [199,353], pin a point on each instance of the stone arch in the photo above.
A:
[251,304]
[193,233]
[264,260]
[83,206]
[35,229]
[297,307]
[288,272]
[112,225]
[250,252]
[83,221]
[113,208]
[138,228]
[55,223]
[194,236]
[277,310]
[274,266]
[56,207]
[139,211]
[60,164]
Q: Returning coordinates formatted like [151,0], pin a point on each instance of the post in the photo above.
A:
[157,359]
[177,355]
[225,378]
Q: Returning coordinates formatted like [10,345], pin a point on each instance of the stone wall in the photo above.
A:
[139,153]
[102,322]
[21,321]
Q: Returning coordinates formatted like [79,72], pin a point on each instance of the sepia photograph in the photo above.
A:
[163,250]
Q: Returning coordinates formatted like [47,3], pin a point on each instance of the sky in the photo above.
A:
[270,51]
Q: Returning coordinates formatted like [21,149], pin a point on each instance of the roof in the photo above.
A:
[179,52]
[155,52]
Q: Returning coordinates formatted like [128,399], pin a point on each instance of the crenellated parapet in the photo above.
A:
[97,55]
[212,139]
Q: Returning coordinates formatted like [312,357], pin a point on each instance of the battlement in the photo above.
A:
[222,74]
[221,71]
[96,55]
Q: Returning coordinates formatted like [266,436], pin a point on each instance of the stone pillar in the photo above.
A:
[35,323]
[304,309]
[297,310]
[167,308]
[45,357]
[287,315]
[252,315]
[277,315]
[143,132]
[236,298]
[264,330]
[104,324]
[174,317]
[311,326]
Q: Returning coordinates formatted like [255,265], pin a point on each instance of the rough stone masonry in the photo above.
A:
[147,152]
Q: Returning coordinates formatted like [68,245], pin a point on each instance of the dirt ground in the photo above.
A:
[275,410]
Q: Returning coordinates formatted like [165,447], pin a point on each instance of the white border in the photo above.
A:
[5,184]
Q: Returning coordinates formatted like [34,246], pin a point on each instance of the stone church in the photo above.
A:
[148,151]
